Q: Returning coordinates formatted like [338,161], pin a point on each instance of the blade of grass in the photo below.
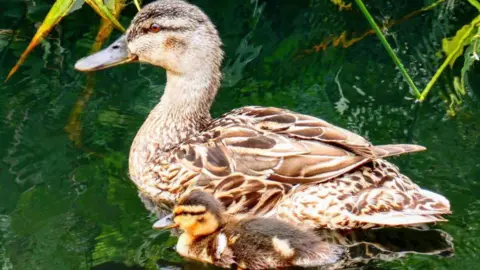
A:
[59,10]
[387,46]
[103,11]
[137,4]
[437,74]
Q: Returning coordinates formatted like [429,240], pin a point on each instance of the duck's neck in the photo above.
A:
[183,110]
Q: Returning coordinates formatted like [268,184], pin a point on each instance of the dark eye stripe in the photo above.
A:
[184,213]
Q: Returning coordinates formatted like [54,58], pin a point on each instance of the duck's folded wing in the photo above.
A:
[304,127]
[252,158]
[238,149]
[250,170]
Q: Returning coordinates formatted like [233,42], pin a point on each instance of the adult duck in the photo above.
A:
[255,160]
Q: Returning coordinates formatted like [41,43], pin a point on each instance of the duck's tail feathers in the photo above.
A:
[428,208]
[388,150]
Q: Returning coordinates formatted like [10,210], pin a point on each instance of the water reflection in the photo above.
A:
[366,246]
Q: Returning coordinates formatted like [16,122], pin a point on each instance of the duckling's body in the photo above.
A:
[259,243]
[248,243]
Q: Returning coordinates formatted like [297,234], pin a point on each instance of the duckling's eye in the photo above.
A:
[200,219]
[155,28]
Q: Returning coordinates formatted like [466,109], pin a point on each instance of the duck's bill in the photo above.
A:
[165,223]
[115,54]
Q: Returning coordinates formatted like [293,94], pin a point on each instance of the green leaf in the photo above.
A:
[472,55]
[105,12]
[464,36]
[59,10]
[475,3]
[460,84]
[455,45]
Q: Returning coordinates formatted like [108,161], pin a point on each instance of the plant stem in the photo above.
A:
[387,46]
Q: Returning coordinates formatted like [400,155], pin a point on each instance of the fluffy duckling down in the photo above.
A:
[212,236]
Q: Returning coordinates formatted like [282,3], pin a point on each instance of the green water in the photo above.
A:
[68,204]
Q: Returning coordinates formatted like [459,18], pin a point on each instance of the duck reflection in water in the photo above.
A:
[364,247]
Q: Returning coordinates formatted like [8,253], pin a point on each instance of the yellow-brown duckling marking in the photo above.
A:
[211,236]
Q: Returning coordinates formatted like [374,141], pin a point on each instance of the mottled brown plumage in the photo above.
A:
[256,160]
[304,170]
[212,236]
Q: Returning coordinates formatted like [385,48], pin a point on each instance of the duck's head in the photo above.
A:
[198,213]
[172,34]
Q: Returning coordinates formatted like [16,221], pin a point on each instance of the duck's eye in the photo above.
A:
[155,28]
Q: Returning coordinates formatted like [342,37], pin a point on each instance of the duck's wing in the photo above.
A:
[250,170]
[240,149]
[304,127]
[251,158]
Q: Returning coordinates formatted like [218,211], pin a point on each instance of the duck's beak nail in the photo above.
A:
[165,223]
[115,54]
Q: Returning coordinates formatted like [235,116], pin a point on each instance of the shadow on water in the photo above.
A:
[65,198]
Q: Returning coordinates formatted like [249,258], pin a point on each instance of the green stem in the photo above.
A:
[387,46]
[449,58]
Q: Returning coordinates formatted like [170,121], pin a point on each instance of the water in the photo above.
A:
[66,201]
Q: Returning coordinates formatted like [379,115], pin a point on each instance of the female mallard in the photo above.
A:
[211,236]
[255,160]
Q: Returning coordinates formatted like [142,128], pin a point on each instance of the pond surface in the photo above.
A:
[65,198]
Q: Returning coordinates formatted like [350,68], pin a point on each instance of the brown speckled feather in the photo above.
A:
[268,161]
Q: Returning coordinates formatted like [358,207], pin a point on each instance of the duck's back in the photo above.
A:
[259,243]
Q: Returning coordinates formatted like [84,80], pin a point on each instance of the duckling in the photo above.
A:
[212,236]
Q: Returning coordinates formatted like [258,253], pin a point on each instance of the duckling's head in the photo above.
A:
[198,213]
[175,35]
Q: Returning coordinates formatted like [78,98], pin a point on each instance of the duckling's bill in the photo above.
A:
[115,54]
[165,223]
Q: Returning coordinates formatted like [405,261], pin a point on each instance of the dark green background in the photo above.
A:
[63,207]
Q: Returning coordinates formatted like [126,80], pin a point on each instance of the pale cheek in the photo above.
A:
[185,224]
[148,50]
[151,58]
[185,227]
[166,53]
